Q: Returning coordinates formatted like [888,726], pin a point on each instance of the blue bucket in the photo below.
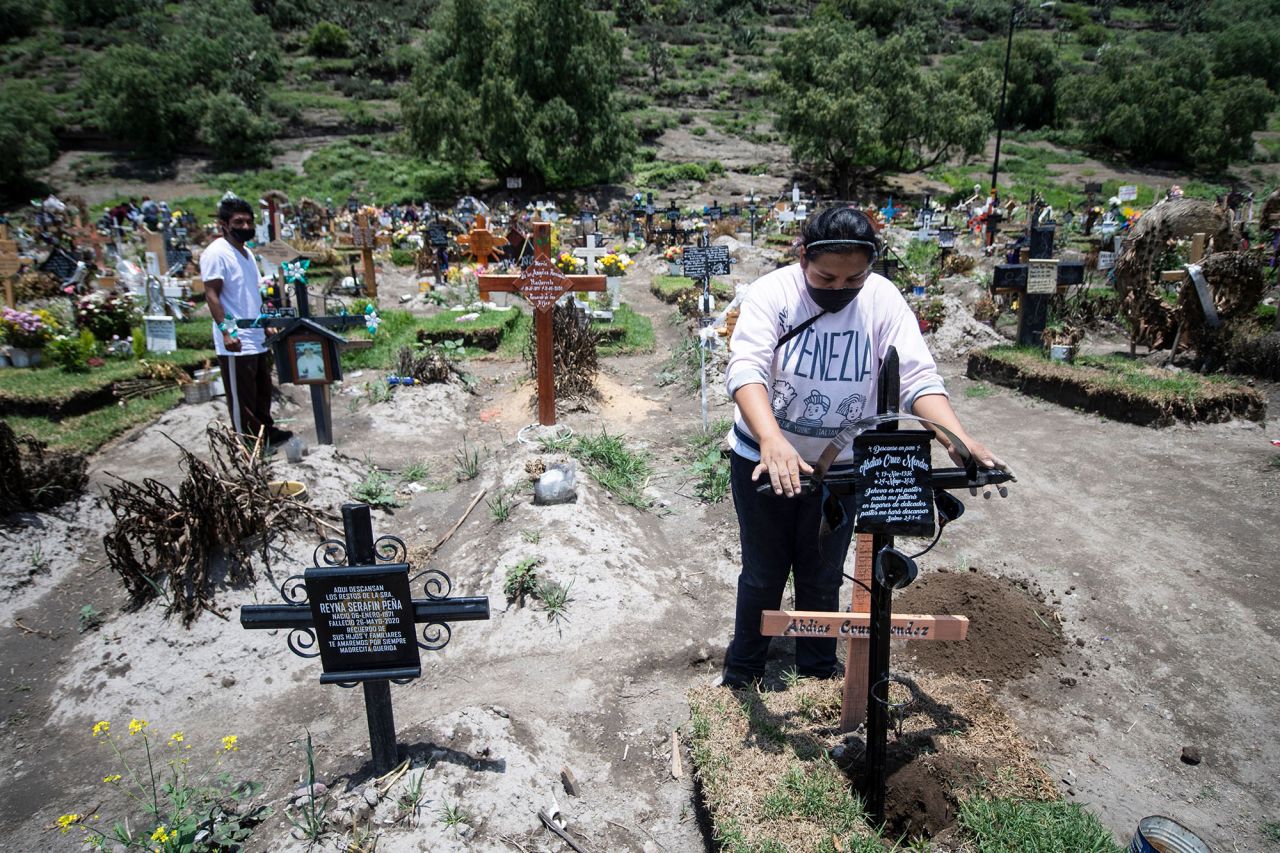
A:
[1158,834]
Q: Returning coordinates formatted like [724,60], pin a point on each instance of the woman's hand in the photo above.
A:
[784,465]
[986,459]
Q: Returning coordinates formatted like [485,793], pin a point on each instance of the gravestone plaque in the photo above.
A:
[364,622]
[1042,276]
[1128,192]
[437,236]
[715,212]
[161,333]
[542,284]
[718,262]
[1106,260]
[893,496]
[693,262]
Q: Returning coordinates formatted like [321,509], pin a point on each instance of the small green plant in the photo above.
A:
[452,815]
[376,491]
[411,797]
[622,472]
[1001,825]
[533,537]
[521,580]
[90,619]
[555,597]
[978,391]
[468,462]
[38,561]
[378,392]
[711,477]
[791,677]
[500,506]
[313,812]
[186,810]
[415,473]
[1271,830]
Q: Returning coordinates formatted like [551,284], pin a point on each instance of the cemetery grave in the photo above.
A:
[582,711]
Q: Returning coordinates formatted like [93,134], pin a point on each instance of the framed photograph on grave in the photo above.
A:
[309,356]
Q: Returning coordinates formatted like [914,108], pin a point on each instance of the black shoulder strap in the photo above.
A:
[797,330]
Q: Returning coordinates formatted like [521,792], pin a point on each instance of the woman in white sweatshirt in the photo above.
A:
[806,353]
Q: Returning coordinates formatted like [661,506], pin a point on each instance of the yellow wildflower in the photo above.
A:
[67,821]
[229,743]
[112,779]
[163,835]
[101,727]
[174,738]
[136,726]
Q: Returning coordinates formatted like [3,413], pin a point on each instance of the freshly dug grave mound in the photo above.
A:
[484,332]
[1119,389]
[1011,631]
[670,288]
[766,774]
[34,478]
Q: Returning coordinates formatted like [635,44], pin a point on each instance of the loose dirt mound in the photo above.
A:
[1011,632]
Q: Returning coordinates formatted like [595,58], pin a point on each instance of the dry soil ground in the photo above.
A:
[1156,547]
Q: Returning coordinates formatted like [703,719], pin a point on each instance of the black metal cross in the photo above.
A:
[1033,308]
[363,583]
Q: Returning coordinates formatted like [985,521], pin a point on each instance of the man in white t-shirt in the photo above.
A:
[232,286]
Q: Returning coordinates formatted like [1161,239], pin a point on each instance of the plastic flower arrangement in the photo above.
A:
[570,264]
[187,809]
[28,329]
[106,315]
[614,264]
[673,254]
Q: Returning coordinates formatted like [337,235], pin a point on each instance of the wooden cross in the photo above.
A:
[11,263]
[542,284]
[364,236]
[517,244]
[88,233]
[1207,305]
[855,628]
[591,253]
[481,243]
[1036,282]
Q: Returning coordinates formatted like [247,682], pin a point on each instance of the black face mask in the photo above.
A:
[832,301]
[242,235]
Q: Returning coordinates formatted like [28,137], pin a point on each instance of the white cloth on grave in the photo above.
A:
[241,292]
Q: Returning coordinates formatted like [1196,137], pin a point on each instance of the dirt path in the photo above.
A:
[1156,547]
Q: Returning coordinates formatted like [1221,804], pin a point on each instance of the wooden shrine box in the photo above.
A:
[307,354]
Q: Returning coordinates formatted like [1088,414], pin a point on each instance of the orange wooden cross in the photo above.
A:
[855,628]
[11,263]
[482,244]
[542,284]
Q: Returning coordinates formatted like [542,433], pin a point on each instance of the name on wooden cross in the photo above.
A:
[481,243]
[354,610]
[1036,282]
[542,285]
[364,236]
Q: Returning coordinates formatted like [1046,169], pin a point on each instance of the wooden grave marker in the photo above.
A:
[481,243]
[542,284]
[364,236]
[1192,272]
[11,263]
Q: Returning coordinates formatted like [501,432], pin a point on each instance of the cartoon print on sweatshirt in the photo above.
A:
[816,406]
[783,394]
[851,407]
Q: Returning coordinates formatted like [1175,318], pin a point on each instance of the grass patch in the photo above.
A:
[669,288]
[86,433]
[620,471]
[485,332]
[397,329]
[51,391]
[629,332]
[1118,387]
[709,467]
[1016,826]
[978,391]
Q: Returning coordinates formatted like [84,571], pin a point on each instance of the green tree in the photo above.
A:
[26,135]
[1034,72]
[1248,49]
[19,18]
[96,13]
[857,106]
[1163,104]
[328,39]
[526,87]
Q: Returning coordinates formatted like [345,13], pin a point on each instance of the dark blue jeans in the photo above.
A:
[780,536]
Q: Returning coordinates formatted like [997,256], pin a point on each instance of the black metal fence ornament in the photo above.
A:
[354,611]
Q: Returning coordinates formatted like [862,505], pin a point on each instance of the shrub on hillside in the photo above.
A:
[328,39]
[26,135]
